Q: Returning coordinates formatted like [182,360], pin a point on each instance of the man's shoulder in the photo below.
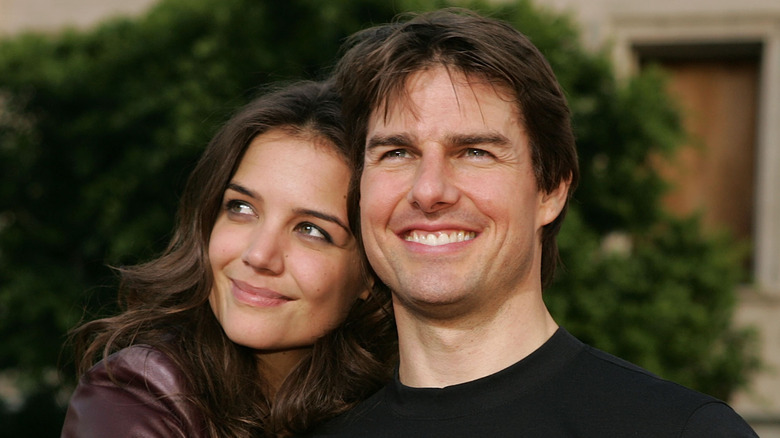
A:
[372,413]
[622,376]
[564,389]
[613,384]
[584,370]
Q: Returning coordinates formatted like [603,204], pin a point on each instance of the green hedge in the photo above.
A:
[99,129]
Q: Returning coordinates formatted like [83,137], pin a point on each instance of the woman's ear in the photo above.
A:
[369,286]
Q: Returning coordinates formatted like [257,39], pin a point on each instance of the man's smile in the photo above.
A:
[439,238]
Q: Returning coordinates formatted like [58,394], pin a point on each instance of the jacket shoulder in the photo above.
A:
[138,391]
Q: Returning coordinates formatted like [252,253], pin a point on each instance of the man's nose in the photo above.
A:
[433,187]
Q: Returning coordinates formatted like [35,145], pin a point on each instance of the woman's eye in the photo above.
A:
[312,230]
[239,208]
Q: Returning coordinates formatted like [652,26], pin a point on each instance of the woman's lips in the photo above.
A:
[256,296]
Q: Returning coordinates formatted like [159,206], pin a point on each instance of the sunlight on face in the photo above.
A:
[286,268]
[450,210]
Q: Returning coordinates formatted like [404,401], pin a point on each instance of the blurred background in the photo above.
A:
[671,250]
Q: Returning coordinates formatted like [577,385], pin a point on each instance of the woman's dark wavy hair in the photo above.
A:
[378,61]
[165,301]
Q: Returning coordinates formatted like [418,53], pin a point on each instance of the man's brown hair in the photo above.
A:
[379,60]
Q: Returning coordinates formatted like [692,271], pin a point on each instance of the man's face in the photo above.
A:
[451,214]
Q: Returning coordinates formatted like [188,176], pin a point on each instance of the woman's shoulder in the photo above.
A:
[142,365]
[137,390]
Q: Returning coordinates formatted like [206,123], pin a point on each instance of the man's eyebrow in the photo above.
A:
[478,139]
[452,139]
[388,140]
[323,216]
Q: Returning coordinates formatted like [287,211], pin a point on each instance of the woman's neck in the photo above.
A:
[275,366]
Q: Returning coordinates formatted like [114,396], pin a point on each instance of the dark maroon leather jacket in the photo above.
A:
[146,402]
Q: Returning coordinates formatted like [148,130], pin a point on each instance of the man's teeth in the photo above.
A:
[436,239]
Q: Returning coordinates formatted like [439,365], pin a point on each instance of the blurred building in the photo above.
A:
[723,57]
[20,15]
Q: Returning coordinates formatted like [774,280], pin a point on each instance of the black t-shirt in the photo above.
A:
[564,389]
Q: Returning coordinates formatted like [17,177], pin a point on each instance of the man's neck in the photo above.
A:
[439,353]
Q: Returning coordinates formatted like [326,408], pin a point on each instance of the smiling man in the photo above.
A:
[453,219]
[468,162]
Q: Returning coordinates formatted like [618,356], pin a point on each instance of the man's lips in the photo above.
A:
[438,238]
[256,296]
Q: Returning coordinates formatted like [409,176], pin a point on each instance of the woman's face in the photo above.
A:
[286,268]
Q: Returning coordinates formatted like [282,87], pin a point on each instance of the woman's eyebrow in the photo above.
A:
[299,211]
[243,190]
[323,216]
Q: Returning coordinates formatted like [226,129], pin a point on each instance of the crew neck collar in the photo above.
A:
[487,392]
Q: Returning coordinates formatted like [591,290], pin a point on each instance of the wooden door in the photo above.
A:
[715,172]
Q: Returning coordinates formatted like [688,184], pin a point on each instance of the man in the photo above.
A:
[466,162]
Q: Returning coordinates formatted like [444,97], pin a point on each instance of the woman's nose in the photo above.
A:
[264,251]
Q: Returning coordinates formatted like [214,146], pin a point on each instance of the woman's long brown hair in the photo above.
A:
[165,302]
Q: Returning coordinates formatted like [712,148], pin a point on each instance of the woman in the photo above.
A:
[235,330]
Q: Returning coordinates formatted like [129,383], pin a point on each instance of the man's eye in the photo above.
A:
[396,153]
[311,230]
[239,208]
[472,152]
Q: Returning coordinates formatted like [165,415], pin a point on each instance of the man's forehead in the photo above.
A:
[467,88]
[451,86]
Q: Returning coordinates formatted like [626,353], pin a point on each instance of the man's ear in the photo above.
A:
[552,202]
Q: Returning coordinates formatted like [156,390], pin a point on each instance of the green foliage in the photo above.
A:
[666,301]
[663,299]
[618,128]
[99,129]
